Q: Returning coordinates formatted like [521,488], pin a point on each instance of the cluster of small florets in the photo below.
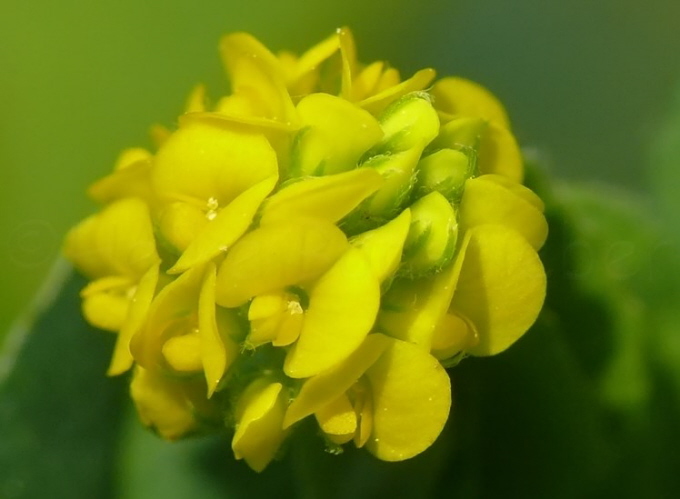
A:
[319,242]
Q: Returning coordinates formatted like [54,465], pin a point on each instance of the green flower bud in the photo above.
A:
[432,236]
[444,171]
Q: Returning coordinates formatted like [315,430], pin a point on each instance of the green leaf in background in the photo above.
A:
[59,414]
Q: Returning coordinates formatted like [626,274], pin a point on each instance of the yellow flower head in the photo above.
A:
[319,242]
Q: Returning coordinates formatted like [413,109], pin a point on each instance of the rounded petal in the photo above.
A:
[118,241]
[488,201]
[338,418]
[342,308]
[501,287]
[461,97]
[500,154]
[212,162]
[276,256]
[411,395]
[106,302]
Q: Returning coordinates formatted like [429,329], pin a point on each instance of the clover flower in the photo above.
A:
[320,242]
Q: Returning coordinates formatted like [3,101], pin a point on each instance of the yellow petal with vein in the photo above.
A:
[330,197]
[205,161]
[342,308]
[411,401]
[275,256]
[501,287]
[488,201]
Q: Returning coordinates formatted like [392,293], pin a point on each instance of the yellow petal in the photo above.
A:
[499,153]
[310,61]
[412,308]
[106,302]
[255,71]
[229,225]
[183,353]
[487,201]
[461,97]
[174,307]
[337,133]
[218,349]
[411,399]
[501,287]
[330,197]
[259,433]
[377,103]
[117,241]
[206,161]
[349,59]
[276,318]
[338,418]
[276,256]
[130,178]
[196,101]
[237,111]
[173,408]
[342,308]
[388,79]
[323,388]
[382,247]
[135,320]
[453,335]
[366,82]
[180,223]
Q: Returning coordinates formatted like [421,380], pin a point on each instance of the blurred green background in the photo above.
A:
[585,81]
[588,401]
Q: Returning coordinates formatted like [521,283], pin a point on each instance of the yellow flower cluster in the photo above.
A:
[319,242]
